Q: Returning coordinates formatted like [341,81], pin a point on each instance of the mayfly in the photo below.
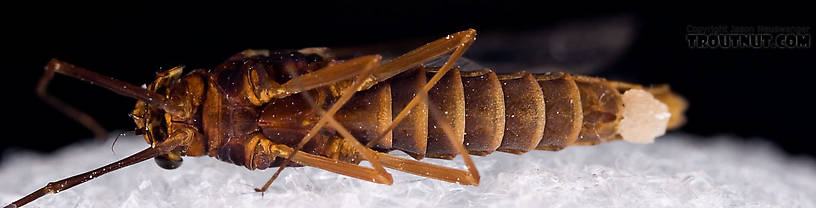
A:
[263,109]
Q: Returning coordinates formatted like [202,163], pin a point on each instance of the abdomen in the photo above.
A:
[512,113]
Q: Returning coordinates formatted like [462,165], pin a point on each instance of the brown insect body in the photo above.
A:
[512,113]
[260,108]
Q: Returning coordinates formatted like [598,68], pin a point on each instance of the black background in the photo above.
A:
[751,93]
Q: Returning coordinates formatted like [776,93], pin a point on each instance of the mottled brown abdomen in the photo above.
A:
[512,113]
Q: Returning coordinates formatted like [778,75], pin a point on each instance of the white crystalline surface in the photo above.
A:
[675,171]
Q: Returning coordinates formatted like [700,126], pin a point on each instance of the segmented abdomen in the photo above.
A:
[512,113]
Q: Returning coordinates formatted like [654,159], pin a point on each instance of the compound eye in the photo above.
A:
[168,161]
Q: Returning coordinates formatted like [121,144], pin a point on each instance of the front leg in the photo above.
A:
[179,139]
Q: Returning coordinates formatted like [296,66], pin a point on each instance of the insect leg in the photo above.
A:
[325,163]
[322,77]
[311,80]
[426,169]
[458,42]
[380,175]
[122,88]
[470,177]
[178,139]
